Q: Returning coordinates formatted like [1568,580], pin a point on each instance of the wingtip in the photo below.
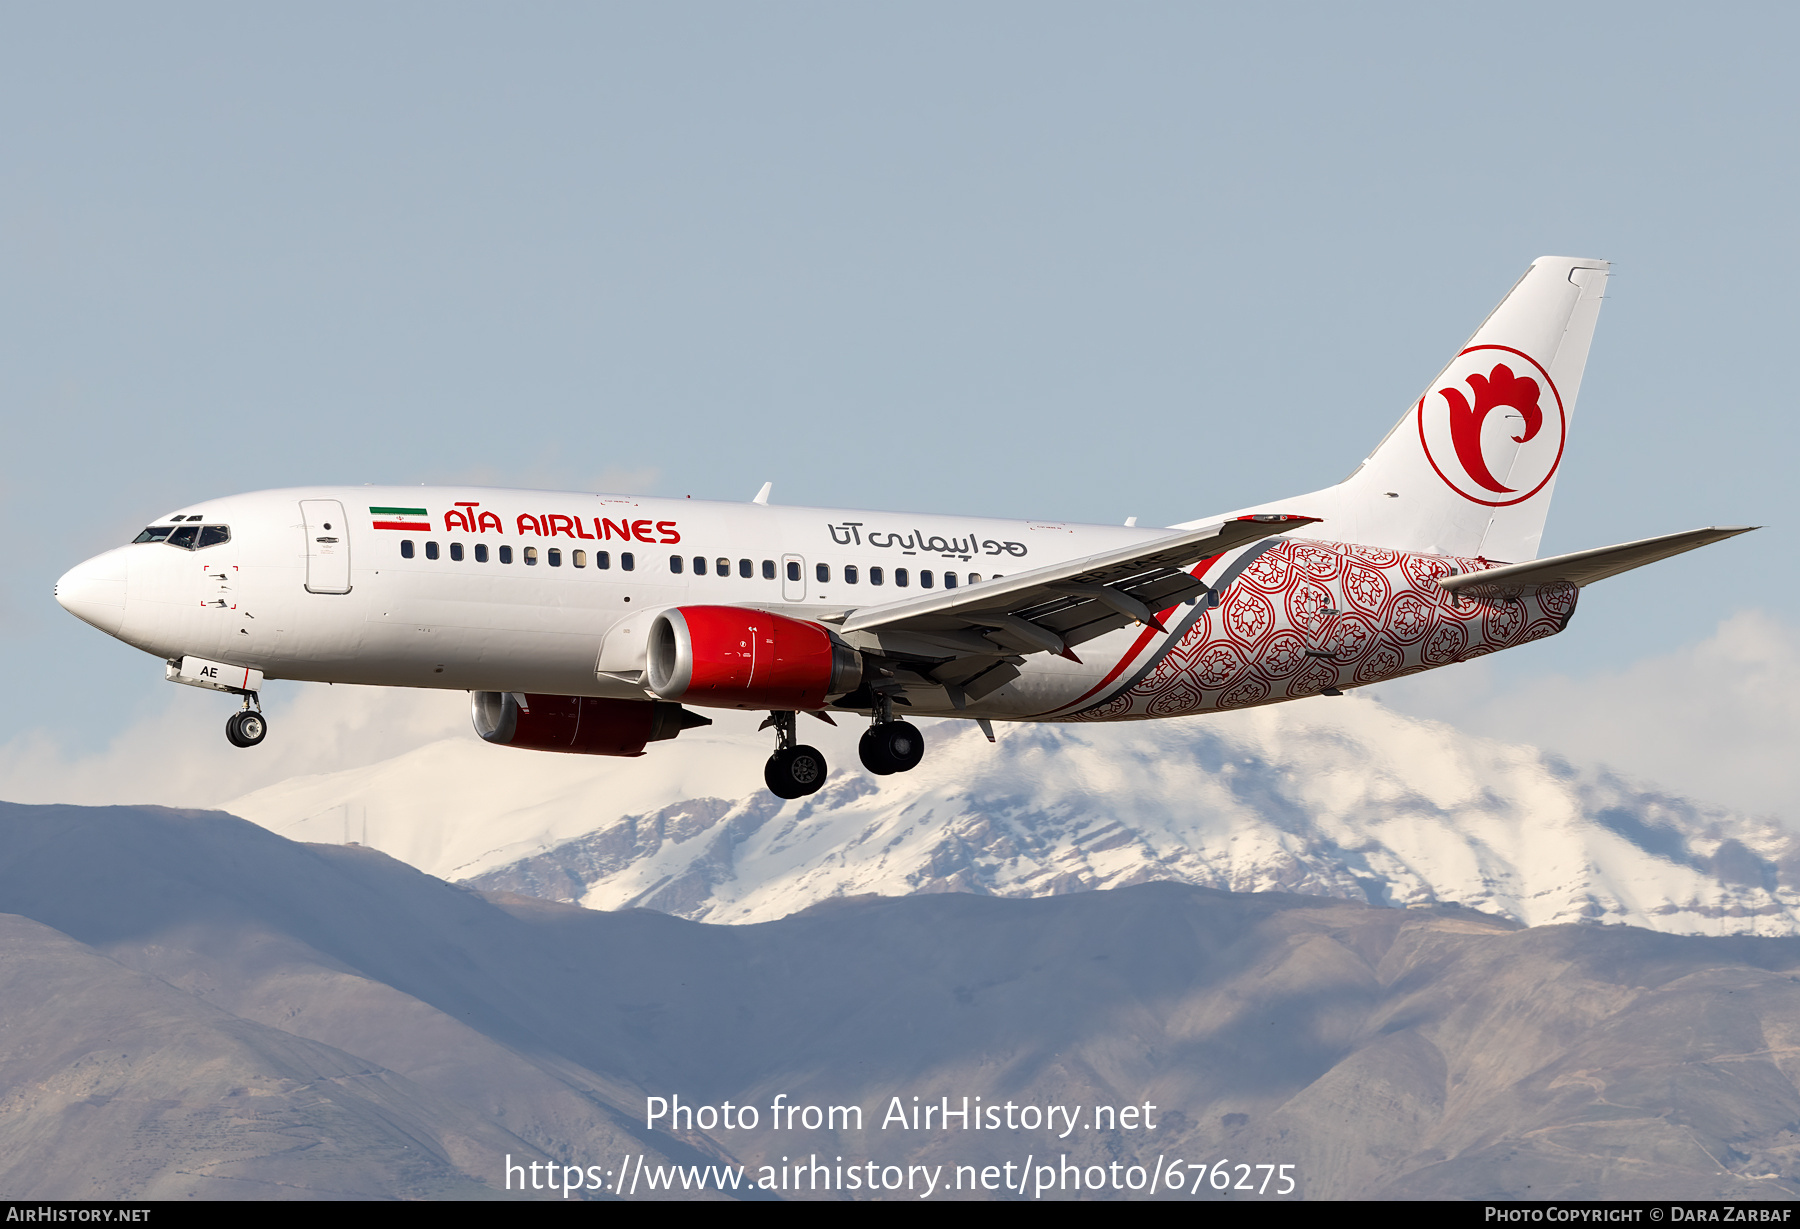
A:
[1280,518]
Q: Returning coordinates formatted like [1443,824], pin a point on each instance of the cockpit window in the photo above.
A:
[187,537]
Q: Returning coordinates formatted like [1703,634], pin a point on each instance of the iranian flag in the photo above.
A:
[381,524]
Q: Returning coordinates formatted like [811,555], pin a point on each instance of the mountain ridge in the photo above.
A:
[328,1021]
[1340,797]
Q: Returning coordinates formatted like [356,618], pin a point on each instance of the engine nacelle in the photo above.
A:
[582,725]
[735,657]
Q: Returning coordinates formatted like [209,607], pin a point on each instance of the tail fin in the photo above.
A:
[1470,468]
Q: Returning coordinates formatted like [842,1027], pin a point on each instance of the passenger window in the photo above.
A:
[184,537]
[602,560]
[531,556]
[627,561]
[768,569]
[675,564]
[925,580]
[406,548]
[949,580]
[724,567]
[793,570]
[456,552]
[431,550]
[823,572]
[900,578]
[974,578]
[214,535]
[481,552]
[580,558]
[874,576]
[506,554]
[699,565]
[554,557]
[849,573]
[747,571]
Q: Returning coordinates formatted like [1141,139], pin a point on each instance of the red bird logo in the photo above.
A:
[1498,388]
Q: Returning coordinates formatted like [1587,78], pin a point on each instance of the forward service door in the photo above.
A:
[327,546]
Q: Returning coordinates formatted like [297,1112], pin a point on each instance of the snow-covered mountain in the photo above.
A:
[193,1008]
[1339,797]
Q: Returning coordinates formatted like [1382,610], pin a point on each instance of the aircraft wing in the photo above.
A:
[1587,566]
[1051,609]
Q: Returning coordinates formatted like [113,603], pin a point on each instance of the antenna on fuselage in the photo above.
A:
[762,496]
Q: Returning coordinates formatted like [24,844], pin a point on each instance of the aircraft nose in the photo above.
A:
[94,592]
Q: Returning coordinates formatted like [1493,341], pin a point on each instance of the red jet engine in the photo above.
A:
[735,657]
[582,725]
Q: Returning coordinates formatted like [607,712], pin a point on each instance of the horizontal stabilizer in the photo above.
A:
[1587,566]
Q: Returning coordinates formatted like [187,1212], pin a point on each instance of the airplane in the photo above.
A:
[597,624]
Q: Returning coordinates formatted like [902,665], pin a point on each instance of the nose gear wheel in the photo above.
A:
[246,728]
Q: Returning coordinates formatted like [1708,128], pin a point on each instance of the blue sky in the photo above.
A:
[1079,262]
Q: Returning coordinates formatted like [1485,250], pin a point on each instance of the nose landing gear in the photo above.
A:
[246,727]
[794,771]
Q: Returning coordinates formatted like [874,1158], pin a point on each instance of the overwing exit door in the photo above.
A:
[793,578]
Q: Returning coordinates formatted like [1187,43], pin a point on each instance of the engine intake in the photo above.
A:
[581,725]
[735,657]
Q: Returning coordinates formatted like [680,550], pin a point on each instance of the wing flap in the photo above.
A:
[1077,617]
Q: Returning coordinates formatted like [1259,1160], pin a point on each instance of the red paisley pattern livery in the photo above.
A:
[1305,616]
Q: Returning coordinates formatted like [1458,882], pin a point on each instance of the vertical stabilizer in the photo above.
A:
[1470,468]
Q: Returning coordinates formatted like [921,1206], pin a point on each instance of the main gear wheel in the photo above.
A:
[795,772]
[891,746]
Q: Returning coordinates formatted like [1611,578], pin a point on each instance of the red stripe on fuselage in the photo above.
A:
[423,527]
[1137,646]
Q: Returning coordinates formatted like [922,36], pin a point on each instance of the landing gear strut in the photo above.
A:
[247,727]
[890,746]
[794,771]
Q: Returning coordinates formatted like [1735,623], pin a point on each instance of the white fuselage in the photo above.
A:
[537,622]
[487,590]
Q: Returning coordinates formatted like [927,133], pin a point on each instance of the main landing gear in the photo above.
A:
[890,746]
[794,771]
[887,747]
[246,727]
